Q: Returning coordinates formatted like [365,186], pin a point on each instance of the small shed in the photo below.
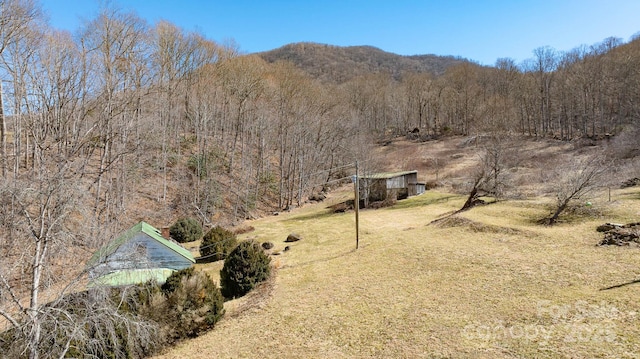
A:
[136,256]
[390,185]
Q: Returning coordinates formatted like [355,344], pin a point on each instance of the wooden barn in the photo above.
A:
[390,185]
[138,255]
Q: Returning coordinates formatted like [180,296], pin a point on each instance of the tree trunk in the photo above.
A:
[3,136]
[38,263]
[554,218]
[473,196]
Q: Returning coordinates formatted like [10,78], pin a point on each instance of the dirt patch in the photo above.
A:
[451,161]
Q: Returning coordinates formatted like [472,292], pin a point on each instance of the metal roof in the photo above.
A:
[142,227]
[387,175]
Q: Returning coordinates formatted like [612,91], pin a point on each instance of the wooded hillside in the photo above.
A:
[128,121]
[337,64]
[151,116]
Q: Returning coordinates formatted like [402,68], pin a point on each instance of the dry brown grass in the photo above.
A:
[492,284]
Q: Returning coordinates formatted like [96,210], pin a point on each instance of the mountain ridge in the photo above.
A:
[332,63]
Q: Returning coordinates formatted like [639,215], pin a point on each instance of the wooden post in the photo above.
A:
[357,205]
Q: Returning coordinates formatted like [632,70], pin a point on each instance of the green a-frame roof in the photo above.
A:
[141,227]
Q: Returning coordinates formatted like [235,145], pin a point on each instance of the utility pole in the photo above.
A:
[357,205]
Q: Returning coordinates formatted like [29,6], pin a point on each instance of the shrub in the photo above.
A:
[130,322]
[205,164]
[175,279]
[195,304]
[245,267]
[217,244]
[431,185]
[99,323]
[188,304]
[198,165]
[186,230]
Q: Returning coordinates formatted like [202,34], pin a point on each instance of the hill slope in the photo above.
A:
[339,64]
[488,283]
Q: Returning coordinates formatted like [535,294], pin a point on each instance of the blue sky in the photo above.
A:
[480,30]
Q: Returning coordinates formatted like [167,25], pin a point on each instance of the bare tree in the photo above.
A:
[418,89]
[47,216]
[491,177]
[176,57]
[38,211]
[43,209]
[16,17]
[464,97]
[115,44]
[89,324]
[578,180]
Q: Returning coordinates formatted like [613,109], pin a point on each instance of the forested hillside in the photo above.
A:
[126,121]
[139,113]
[339,64]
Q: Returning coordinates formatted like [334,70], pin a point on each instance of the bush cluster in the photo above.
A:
[119,323]
[135,322]
[188,304]
[245,267]
[100,323]
[217,244]
[186,230]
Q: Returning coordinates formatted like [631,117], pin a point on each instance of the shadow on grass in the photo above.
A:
[576,213]
[315,215]
[206,260]
[324,259]
[424,200]
[450,214]
[627,195]
[419,202]
[621,285]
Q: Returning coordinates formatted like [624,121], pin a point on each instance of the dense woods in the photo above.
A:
[124,119]
[590,91]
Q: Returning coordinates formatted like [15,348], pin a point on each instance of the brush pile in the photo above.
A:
[620,234]
[633,182]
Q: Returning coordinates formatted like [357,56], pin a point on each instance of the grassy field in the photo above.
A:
[488,283]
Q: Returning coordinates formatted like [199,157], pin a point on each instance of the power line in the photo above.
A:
[328,170]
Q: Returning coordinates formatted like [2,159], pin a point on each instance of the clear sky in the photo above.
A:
[480,30]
